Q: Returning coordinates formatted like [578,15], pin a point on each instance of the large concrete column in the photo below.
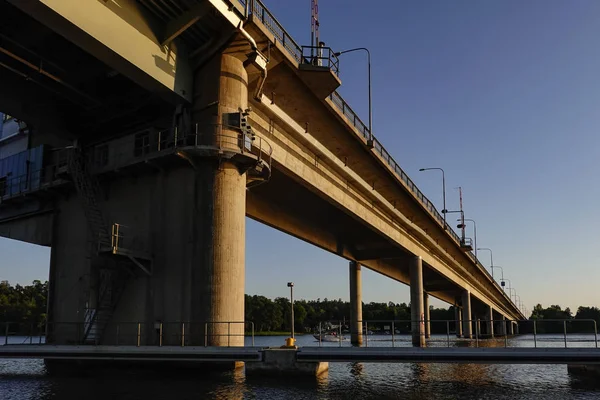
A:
[467,323]
[458,321]
[221,193]
[427,319]
[416,301]
[511,328]
[503,325]
[355,303]
[490,322]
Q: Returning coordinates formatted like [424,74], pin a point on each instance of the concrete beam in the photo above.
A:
[130,46]
[180,24]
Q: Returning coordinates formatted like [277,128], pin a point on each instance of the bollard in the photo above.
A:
[182,334]
[160,335]
[139,334]
[320,334]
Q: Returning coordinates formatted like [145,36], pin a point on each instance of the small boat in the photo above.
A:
[329,337]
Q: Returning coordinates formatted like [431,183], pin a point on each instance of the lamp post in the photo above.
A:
[474,232]
[501,270]
[444,211]
[491,258]
[291,286]
[339,53]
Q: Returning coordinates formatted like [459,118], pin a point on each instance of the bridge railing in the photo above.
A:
[528,333]
[130,333]
[203,138]
[259,11]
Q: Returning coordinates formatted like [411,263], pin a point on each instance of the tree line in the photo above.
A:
[23,304]
[27,305]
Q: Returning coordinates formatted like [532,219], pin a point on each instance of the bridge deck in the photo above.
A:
[311,354]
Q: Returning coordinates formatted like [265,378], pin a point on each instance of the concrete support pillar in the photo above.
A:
[427,319]
[218,282]
[458,320]
[355,303]
[467,323]
[490,322]
[503,325]
[512,328]
[416,302]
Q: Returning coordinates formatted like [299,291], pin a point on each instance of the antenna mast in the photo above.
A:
[462,215]
[314,25]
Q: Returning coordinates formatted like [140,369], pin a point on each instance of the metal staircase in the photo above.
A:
[88,190]
[112,281]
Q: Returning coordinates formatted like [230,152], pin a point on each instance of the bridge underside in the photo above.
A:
[145,127]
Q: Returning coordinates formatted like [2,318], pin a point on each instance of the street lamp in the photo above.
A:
[491,258]
[444,211]
[339,53]
[501,270]
[474,232]
[291,286]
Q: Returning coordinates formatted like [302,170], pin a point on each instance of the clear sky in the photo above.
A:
[504,95]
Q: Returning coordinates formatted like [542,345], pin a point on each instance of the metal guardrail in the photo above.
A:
[477,334]
[131,333]
[258,9]
[321,57]
[127,150]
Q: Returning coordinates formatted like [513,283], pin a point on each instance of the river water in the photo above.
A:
[27,379]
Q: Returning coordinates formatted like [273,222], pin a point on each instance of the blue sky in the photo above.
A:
[504,95]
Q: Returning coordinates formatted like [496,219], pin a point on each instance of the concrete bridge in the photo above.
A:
[155,127]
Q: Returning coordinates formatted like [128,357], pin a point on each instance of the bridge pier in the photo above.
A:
[490,322]
[467,318]
[416,301]
[218,282]
[458,319]
[356,336]
[427,318]
[511,330]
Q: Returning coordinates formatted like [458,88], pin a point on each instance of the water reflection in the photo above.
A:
[26,380]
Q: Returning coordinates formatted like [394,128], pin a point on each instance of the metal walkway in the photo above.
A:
[132,353]
[465,355]
[311,354]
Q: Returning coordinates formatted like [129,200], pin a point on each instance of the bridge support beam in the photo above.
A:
[503,326]
[490,322]
[218,282]
[355,303]
[427,319]
[467,318]
[416,302]
[458,321]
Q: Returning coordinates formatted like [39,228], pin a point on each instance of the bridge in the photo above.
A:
[147,145]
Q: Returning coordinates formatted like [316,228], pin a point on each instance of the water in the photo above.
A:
[26,379]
